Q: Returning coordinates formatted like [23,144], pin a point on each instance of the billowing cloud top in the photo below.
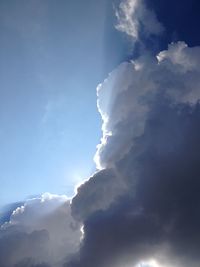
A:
[124,98]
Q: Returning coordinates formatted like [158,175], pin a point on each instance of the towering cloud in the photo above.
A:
[143,206]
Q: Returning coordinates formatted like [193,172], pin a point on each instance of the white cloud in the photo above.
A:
[180,54]
[133,16]
[49,213]
[125,96]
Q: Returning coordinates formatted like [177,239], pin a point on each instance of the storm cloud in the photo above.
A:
[150,157]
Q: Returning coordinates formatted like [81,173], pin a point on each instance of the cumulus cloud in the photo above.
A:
[142,207]
[106,183]
[150,148]
[124,97]
[134,17]
[41,232]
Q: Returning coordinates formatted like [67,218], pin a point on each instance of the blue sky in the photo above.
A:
[52,58]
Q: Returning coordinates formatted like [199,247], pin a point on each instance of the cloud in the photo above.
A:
[134,17]
[89,198]
[7,210]
[143,205]
[41,232]
[124,97]
[141,208]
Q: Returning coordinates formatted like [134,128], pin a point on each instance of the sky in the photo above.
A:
[52,58]
[100,133]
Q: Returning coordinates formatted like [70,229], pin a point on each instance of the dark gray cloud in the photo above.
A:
[154,216]
[15,245]
[29,263]
[97,193]
[161,213]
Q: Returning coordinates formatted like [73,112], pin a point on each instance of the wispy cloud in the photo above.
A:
[134,17]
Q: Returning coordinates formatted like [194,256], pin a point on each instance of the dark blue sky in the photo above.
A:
[180,18]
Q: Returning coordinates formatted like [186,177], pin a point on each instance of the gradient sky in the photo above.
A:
[52,58]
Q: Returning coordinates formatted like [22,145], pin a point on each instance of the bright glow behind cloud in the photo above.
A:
[150,263]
